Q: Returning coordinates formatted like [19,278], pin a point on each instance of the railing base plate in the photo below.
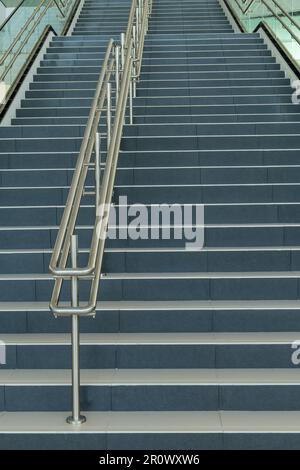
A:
[76,422]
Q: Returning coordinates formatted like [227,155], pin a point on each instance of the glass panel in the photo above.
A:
[25,28]
[285,26]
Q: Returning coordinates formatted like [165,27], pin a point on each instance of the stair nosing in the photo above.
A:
[151,377]
[156,306]
[155,339]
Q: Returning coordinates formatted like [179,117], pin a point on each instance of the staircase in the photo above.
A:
[188,349]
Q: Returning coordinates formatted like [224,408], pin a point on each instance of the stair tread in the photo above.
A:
[89,227]
[167,275]
[146,168]
[158,185]
[38,306]
[204,275]
[134,339]
[205,249]
[166,422]
[157,377]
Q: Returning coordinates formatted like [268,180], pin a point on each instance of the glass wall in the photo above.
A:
[282,16]
[20,33]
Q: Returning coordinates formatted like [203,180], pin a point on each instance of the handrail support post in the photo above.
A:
[108,113]
[117,77]
[122,50]
[134,52]
[97,168]
[76,418]
[131,102]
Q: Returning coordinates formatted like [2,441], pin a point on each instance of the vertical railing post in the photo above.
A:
[137,18]
[148,6]
[117,77]
[76,418]
[108,113]
[140,3]
[131,98]
[97,168]
[134,56]
[122,50]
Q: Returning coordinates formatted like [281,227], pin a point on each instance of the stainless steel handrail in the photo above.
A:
[130,51]
[61,248]
[58,262]
[274,13]
[60,9]
[130,23]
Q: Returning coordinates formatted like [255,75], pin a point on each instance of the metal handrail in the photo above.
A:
[136,12]
[132,51]
[60,9]
[130,24]
[62,244]
[139,52]
[274,13]
[244,11]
